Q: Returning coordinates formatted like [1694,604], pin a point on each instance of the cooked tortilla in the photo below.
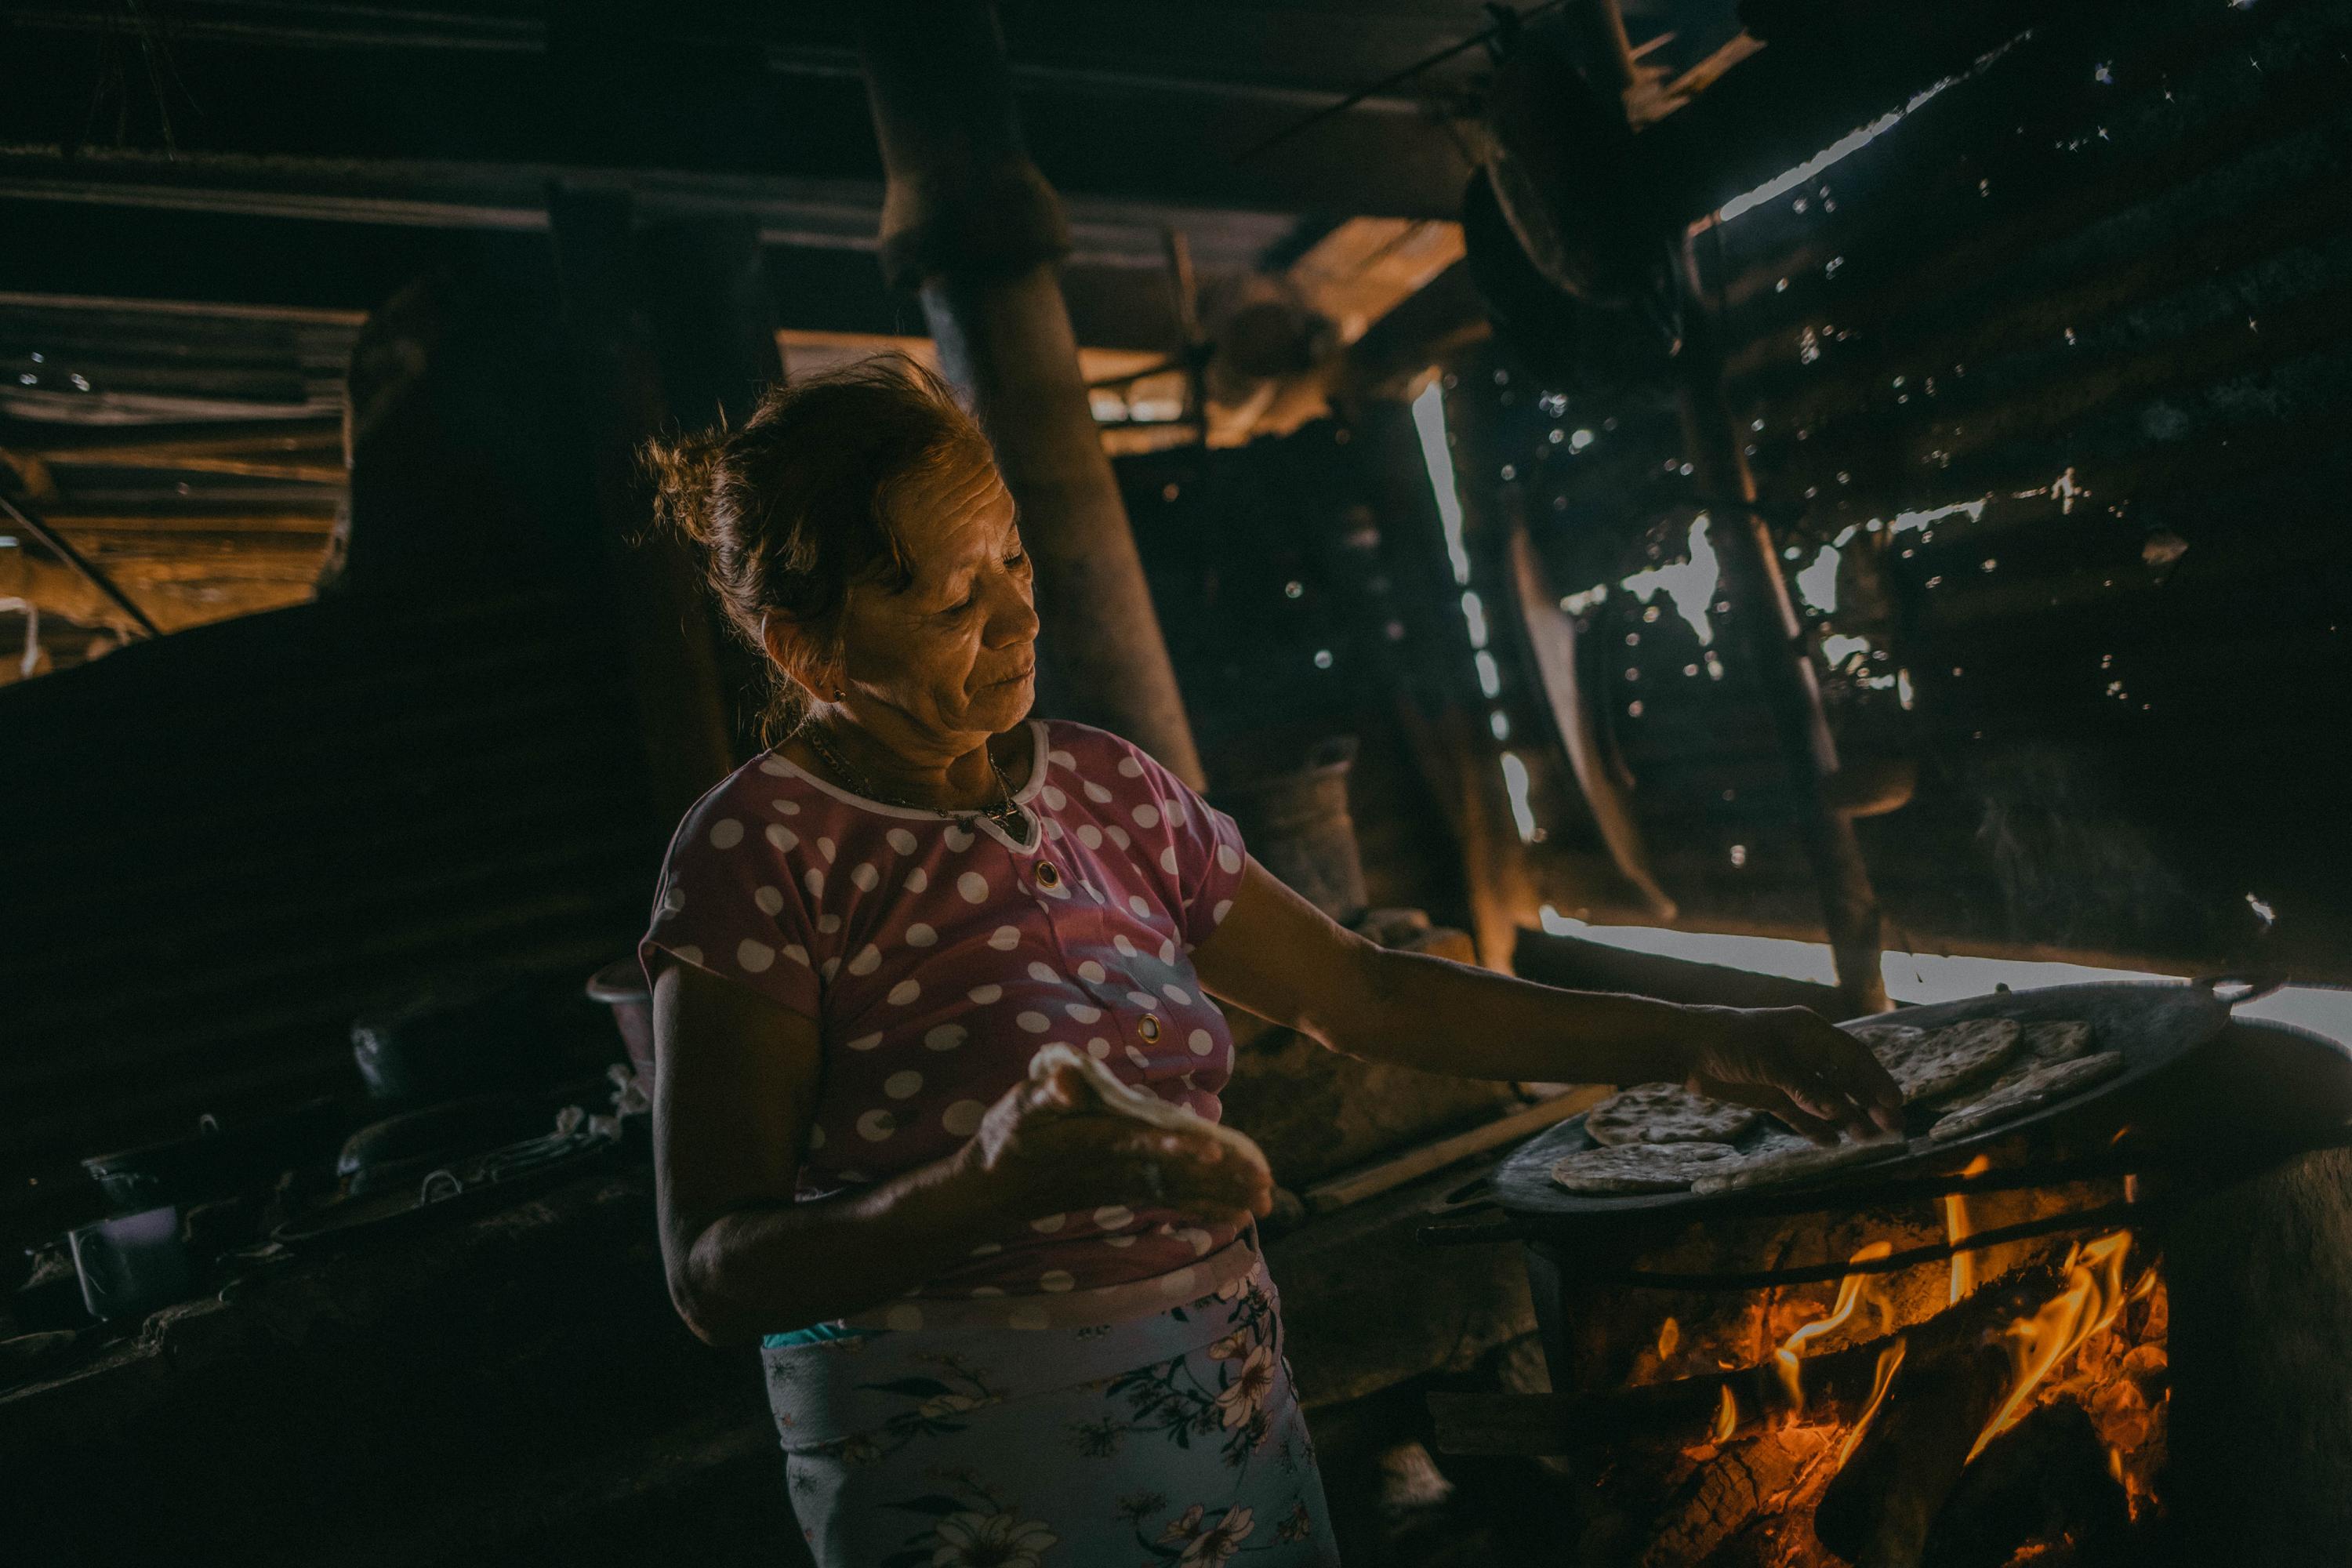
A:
[1638,1167]
[1931,1063]
[2047,1043]
[1780,1156]
[1665,1113]
[2030,1091]
[2043,1045]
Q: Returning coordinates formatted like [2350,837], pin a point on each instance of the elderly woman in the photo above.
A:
[1001,1322]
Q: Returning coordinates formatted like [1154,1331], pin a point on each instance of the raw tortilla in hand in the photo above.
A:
[1665,1113]
[2030,1091]
[1125,1099]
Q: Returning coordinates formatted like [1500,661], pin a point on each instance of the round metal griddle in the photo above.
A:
[2156,1024]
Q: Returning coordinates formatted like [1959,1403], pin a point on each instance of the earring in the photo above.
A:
[838,694]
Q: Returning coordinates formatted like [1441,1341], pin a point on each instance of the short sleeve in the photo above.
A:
[728,903]
[1203,853]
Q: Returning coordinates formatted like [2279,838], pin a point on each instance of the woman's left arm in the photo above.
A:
[1286,960]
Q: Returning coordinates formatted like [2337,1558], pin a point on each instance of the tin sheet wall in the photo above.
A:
[2046,380]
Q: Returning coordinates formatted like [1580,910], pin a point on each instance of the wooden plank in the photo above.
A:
[1369,1181]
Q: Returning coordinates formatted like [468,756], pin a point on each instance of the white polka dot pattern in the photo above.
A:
[935,964]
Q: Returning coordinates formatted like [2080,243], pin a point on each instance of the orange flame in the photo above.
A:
[1727,1417]
[1955,1230]
[2094,1294]
[1849,1297]
[1889,1359]
[1669,1336]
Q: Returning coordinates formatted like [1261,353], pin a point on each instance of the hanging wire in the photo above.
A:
[1506,18]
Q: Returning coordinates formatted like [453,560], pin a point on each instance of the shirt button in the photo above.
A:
[1149,1028]
[1048,874]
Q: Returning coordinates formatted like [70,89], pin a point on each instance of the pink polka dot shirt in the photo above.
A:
[938,958]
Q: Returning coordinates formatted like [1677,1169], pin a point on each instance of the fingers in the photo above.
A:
[1818,1129]
[1849,1079]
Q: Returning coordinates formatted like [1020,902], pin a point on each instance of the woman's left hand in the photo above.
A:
[1796,1065]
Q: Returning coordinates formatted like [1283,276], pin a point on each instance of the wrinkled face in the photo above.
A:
[951,658]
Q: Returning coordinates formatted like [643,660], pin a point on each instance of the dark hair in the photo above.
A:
[792,509]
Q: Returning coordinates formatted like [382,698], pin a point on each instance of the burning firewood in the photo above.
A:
[2045,1476]
[1954,1397]
[1719,1408]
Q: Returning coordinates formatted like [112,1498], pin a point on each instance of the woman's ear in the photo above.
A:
[797,655]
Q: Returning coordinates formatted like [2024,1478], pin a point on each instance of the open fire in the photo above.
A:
[2000,1406]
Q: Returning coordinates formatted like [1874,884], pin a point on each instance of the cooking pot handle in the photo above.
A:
[2235,990]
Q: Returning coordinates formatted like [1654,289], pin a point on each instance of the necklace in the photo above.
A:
[1007,813]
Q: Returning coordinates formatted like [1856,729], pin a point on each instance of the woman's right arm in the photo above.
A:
[734,1092]
[734,1096]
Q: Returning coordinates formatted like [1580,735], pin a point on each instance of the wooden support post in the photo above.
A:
[1775,640]
[968,219]
[618,380]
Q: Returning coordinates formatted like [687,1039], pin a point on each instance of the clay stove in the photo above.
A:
[1960,1356]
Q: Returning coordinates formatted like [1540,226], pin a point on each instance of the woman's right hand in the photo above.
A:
[1049,1145]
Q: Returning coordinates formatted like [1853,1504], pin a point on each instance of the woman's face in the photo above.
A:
[951,658]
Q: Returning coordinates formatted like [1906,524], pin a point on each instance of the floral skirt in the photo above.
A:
[1174,1439]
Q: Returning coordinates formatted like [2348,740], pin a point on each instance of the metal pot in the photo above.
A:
[1297,824]
[476,1036]
[218,1161]
[621,986]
